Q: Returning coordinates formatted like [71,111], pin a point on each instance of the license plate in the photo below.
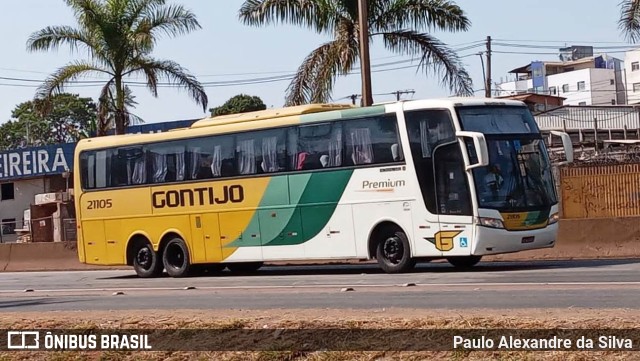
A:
[527,239]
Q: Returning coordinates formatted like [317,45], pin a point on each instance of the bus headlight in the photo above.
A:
[554,218]
[490,222]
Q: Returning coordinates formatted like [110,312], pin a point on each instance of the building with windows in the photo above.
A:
[632,73]
[580,77]
[24,173]
[537,102]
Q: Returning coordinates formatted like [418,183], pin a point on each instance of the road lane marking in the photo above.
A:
[336,286]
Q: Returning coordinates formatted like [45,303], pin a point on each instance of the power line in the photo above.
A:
[398,93]
[234,82]
[555,47]
[542,53]
[561,41]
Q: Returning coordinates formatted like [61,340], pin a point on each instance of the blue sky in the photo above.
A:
[226,50]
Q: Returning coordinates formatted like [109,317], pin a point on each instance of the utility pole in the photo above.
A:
[484,73]
[487,89]
[400,92]
[365,66]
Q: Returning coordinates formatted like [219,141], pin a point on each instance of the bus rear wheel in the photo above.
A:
[394,253]
[146,261]
[175,258]
[464,261]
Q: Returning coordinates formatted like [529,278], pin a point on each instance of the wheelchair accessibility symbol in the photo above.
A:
[463,242]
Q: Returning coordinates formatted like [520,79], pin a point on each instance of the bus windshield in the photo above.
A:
[519,173]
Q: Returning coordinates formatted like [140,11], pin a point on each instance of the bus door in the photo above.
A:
[441,174]
[453,200]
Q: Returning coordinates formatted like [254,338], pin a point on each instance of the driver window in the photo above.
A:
[428,128]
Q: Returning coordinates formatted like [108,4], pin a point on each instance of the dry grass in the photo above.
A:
[411,319]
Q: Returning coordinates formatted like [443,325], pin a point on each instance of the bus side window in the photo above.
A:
[272,152]
[261,152]
[88,168]
[373,140]
[200,158]
[315,146]
[222,158]
[128,167]
[167,162]
[246,156]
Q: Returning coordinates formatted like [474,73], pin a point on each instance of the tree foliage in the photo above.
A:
[405,27]
[240,103]
[65,118]
[119,37]
[629,21]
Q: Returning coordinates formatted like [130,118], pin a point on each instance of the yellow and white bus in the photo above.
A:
[403,182]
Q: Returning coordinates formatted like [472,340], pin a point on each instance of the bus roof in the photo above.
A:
[276,117]
[473,101]
[268,114]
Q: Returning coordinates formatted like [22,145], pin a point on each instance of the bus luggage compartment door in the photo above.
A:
[205,235]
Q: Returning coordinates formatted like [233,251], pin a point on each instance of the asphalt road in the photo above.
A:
[540,284]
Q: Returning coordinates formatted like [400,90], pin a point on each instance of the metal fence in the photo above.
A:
[573,118]
[591,125]
[34,230]
[9,233]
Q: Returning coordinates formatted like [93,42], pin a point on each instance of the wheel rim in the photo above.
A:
[144,258]
[175,256]
[393,250]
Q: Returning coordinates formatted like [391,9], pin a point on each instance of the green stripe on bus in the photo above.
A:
[341,114]
[316,206]
[365,111]
[297,185]
[316,196]
[277,186]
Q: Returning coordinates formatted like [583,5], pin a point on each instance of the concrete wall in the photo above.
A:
[513,87]
[603,87]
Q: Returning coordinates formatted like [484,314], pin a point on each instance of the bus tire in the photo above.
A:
[175,258]
[146,261]
[244,267]
[464,261]
[393,252]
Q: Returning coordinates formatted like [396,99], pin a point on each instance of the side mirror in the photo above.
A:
[480,145]
[566,144]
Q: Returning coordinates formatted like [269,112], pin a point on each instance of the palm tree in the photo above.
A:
[402,24]
[629,21]
[107,109]
[119,37]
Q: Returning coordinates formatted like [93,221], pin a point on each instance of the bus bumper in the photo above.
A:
[496,241]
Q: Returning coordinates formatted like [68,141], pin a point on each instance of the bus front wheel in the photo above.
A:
[464,261]
[146,261]
[175,258]
[394,253]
